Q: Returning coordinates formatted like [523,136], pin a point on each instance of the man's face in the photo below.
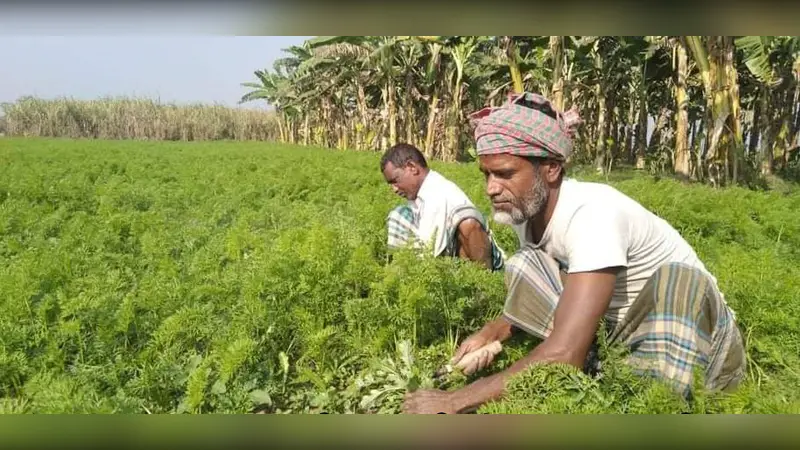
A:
[517,189]
[405,181]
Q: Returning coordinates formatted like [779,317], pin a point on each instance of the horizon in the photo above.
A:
[171,69]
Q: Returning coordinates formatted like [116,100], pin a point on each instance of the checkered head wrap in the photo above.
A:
[523,127]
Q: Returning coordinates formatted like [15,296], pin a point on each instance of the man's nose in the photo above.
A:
[492,187]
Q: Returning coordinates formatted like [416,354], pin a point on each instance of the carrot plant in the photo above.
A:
[165,277]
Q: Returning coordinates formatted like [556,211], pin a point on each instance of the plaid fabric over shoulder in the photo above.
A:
[522,127]
[677,323]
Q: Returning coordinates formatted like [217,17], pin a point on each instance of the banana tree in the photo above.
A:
[345,54]
[770,59]
[681,159]
[409,55]
[512,58]
[383,61]
[432,86]
[277,91]
[604,59]
[461,50]
[714,58]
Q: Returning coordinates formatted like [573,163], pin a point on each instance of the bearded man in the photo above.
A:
[588,254]
[437,213]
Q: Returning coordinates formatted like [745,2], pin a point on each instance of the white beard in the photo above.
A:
[533,202]
[504,218]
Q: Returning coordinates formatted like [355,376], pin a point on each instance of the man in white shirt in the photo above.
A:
[588,254]
[438,214]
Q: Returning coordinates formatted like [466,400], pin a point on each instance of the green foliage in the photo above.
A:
[219,278]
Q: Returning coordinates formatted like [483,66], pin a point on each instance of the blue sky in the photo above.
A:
[203,68]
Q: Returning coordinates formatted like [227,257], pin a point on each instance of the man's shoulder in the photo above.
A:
[580,187]
[446,190]
[593,195]
[440,178]
[583,205]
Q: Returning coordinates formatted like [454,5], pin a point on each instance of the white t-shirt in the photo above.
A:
[437,196]
[596,226]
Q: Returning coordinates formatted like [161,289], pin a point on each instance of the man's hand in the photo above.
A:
[429,401]
[497,330]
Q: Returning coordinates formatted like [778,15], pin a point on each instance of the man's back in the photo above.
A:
[595,226]
[436,198]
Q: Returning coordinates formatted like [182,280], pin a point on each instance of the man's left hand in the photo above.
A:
[429,401]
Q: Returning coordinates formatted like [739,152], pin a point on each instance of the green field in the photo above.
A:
[153,277]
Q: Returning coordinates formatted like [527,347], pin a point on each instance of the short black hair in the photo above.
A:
[400,154]
[538,160]
[546,109]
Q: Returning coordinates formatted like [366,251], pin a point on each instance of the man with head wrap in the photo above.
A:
[588,254]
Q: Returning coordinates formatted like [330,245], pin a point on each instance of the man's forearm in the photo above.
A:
[477,252]
[474,243]
[499,329]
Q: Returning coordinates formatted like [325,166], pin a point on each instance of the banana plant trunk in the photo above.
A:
[697,144]
[345,139]
[615,125]
[731,81]
[363,126]
[306,129]
[600,143]
[282,128]
[431,131]
[714,59]
[692,153]
[641,128]
[630,125]
[762,120]
[783,140]
[454,126]
[795,131]
[326,120]
[391,105]
[681,163]
[757,122]
[513,66]
[410,118]
[557,55]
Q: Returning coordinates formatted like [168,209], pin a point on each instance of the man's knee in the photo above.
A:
[515,266]
[529,258]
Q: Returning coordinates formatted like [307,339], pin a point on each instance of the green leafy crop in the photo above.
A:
[162,277]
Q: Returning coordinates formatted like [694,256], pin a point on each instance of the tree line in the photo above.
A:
[721,109]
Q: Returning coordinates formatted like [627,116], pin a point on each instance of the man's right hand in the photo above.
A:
[497,330]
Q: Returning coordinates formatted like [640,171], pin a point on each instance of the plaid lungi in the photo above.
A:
[401,231]
[678,322]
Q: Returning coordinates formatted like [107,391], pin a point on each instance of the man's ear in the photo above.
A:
[411,165]
[552,171]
